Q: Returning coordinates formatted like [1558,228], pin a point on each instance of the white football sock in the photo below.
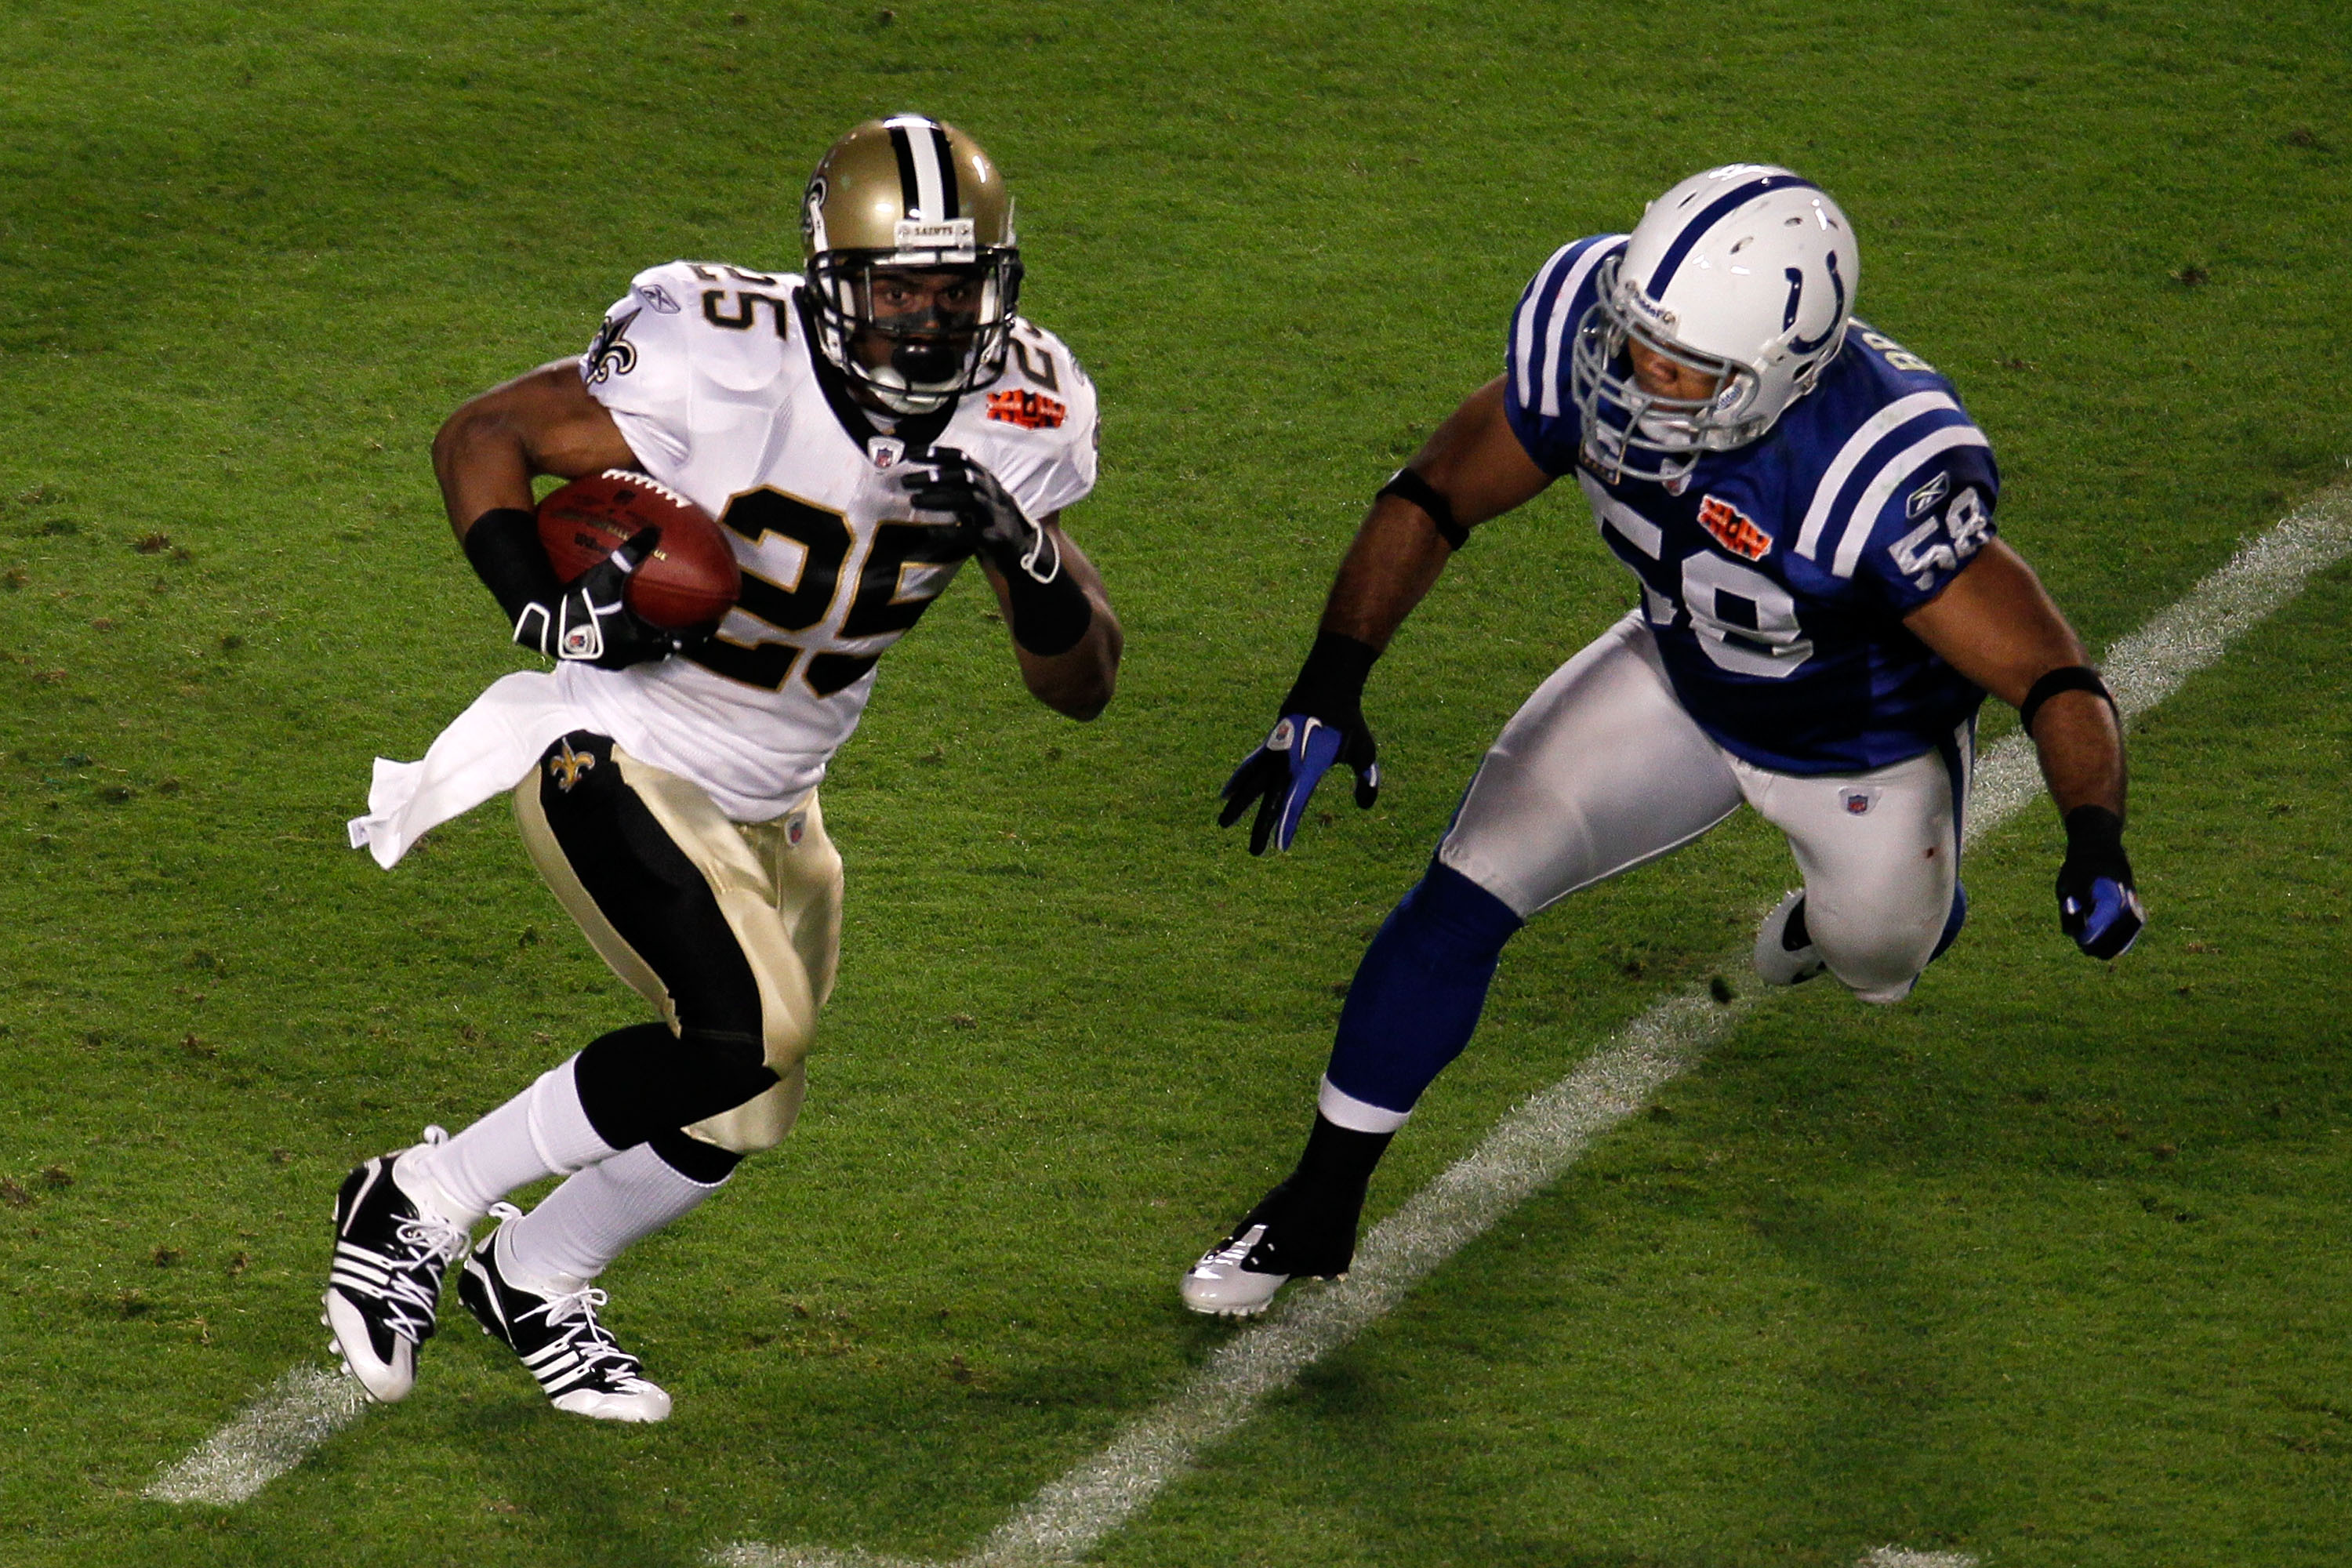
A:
[593,1218]
[542,1132]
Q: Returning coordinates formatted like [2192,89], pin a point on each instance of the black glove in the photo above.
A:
[1051,612]
[2097,905]
[584,620]
[1322,722]
[947,479]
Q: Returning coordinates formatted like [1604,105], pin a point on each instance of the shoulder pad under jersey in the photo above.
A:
[682,322]
[1902,482]
[1038,422]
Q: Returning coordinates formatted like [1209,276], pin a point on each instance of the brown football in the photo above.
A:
[686,585]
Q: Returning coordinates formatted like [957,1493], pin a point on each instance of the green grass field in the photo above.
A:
[2047,1266]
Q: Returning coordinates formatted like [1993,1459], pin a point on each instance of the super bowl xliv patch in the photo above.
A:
[1733,529]
[1030,410]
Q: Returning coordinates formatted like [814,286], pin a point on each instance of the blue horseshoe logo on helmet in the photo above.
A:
[1797,292]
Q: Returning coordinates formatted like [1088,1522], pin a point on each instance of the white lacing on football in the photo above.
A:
[648,482]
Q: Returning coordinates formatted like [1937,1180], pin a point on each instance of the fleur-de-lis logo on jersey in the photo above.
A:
[566,766]
[612,353]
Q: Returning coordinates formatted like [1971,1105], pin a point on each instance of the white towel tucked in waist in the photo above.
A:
[486,751]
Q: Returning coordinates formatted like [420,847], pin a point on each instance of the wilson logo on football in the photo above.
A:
[1030,410]
[1733,529]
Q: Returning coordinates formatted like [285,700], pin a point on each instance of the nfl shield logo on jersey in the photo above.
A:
[1858,800]
[886,451]
[796,828]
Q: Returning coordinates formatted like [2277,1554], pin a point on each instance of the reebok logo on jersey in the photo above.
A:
[1733,529]
[1030,410]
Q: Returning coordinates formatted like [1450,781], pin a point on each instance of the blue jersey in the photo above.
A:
[1776,576]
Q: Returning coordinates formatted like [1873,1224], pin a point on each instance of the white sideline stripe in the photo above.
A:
[1526,1151]
[1533,1144]
[268,1437]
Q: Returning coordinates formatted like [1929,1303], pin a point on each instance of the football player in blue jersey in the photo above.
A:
[1823,604]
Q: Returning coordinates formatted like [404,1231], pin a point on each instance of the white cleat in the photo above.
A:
[1785,954]
[1224,1284]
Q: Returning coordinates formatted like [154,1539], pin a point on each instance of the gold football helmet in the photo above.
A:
[912,264]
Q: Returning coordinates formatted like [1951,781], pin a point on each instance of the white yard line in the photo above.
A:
[1526,1152]
[268,1437]
[1898,1557]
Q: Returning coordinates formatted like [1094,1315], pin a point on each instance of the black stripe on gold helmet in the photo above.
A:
[913,266]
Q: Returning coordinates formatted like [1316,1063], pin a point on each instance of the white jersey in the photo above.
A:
[710,373]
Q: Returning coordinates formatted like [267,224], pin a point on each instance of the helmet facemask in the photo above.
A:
[1633,433]
[916,361]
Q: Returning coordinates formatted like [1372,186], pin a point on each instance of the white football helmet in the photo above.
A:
[1745,273]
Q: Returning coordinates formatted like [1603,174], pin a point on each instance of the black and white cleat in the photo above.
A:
[385,1284]
[552,1327]
[1282,1239]
[1785,954]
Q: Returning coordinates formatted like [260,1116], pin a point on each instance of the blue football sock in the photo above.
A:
[1418,991]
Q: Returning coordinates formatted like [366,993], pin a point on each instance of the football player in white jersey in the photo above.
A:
[860,430]
[1808,511]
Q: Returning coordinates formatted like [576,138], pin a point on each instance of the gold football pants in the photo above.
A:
[776,885]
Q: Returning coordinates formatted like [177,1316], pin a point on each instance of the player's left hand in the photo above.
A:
[2097,905]
[1322,722]
[947,479]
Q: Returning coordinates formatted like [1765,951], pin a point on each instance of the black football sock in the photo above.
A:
[1314,1213]
[1338,1163]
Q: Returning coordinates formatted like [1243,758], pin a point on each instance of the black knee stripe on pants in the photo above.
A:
[642,1081]
[693,1159]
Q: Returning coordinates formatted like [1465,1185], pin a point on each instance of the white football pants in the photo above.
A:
[1602,770]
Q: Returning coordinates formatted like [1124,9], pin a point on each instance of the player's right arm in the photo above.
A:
[543,422]
[486,456]
[1473,468]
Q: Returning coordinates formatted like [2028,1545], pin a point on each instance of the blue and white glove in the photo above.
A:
[2097,905]
[1322,723]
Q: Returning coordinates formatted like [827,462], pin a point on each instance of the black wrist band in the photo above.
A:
[1332,679]
[1047,617]
[2066,678]
[504,549]
[1406,485]
[2094,828]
